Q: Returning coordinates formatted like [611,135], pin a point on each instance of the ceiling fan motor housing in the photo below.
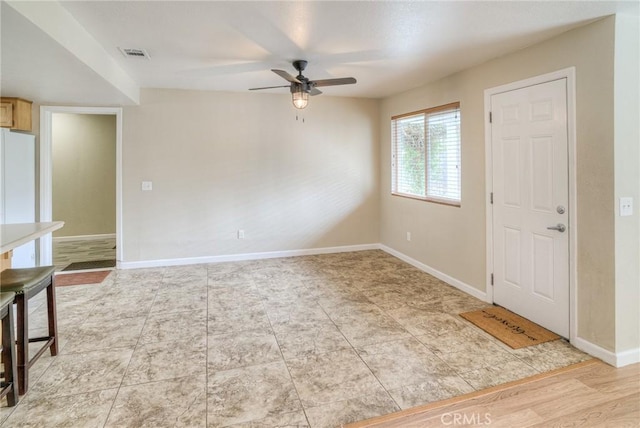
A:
[304,86]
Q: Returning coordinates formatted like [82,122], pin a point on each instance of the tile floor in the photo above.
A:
[82,250]
[307,341]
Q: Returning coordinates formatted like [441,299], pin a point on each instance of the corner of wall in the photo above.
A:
[627,183]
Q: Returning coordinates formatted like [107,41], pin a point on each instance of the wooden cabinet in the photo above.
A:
[5,260]
[15,113]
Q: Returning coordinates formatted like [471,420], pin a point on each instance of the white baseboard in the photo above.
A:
[625,358]
[84,237]
[245,256]
[440,275]
[619,359]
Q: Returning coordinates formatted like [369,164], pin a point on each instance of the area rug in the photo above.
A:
[81,278]
[94,264]
[512,329]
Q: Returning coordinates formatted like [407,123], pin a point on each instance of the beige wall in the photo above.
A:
[220,162]
[84,173]
[452,240]
[627,181]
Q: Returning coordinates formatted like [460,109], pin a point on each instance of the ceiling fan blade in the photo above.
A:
[333,82]
[315,91]
[286,76]
[269,87]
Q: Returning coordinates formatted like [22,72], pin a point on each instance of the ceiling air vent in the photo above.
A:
[134,53]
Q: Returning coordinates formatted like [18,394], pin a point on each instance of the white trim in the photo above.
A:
[625,358]
[245,256]
[307,252]
[46,177]
[488,162]
[434,272]
[594,350]
[570,75]
[83,237]
[619,359]
[573,203]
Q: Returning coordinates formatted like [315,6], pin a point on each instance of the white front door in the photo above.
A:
[530,203]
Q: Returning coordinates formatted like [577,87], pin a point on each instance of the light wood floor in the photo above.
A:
[587,394]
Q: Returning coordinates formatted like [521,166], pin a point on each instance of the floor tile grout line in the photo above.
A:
[130,358]
[436,355]
[49,367]
[384,312]
[360,357]
[418,340]
[285,363]
[33,382]
[534,358]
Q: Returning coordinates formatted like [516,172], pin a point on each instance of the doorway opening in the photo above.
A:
[80,184]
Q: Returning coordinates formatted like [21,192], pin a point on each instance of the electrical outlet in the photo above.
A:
[240,234]
[147,185]
[626,206]
[408,236]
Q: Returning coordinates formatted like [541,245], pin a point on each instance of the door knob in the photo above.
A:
[559,227]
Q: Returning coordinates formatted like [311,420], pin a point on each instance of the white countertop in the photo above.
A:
[14,235]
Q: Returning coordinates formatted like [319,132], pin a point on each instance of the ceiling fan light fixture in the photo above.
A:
[301,87]
[300,98]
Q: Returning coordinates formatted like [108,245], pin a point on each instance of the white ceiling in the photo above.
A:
[389,47]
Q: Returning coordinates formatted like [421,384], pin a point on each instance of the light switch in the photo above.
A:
[626,206]
[147,185]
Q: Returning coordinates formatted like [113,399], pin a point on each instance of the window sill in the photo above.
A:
[432,200]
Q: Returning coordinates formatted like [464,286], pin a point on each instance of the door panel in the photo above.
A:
[512,256]
[542,180]
[530,180]
[511,162]
[543,281]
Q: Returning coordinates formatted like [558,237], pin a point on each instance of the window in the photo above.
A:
[426,154]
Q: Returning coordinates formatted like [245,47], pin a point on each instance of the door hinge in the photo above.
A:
[491,198]
[491,279]
[490,117]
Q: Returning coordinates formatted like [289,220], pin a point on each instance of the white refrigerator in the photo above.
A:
[18,188]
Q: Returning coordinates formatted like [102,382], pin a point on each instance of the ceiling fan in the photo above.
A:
[301,87]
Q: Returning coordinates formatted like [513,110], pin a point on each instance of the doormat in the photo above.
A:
[81,278]
[96,264]
[512,329]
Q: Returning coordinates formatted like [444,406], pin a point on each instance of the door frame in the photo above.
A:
[570,75]
[45,246]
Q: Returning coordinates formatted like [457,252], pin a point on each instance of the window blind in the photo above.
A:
[409,155]
[426,154]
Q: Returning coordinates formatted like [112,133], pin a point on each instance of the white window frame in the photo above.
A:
[394,160]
